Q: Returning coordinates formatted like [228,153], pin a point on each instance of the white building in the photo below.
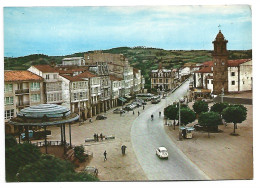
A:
[239,75]
[52,82]
[73,61]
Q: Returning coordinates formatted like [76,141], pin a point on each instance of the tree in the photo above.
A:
[10,141]
[200,106]
[19,156]
[187,116]
[46,169]
[171,112]
[234,114]
[209,120]
[79,153]
[219,107]
[75,177]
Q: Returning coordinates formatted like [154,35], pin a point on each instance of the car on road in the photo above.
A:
[156,99]
[101,117]
[162,153]
[118,111]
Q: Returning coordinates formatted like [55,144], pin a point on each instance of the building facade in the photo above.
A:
[22,89]
[73,61]
[52,83]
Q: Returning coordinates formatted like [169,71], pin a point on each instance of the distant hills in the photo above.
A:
[140,57]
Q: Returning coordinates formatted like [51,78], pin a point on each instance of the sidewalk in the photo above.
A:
[221,156]
[117,167]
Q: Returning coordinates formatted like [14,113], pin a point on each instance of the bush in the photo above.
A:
[10,141]
[79,153]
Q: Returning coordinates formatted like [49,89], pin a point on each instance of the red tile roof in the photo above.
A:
[135,70]
[205,70]
[235,63]
[45,68]
[114,78]
[231,63]
[72,78]
[86,74]
[11,76]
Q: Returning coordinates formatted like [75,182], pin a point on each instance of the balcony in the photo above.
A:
[21,91]
[23,104]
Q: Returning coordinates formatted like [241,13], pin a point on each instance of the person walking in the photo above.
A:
[138,113]
[143,107]
[133,112]
[123,148]
[105,155]
[95,137]
[101,137]
[159,114]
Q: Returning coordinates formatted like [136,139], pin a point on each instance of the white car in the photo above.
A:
[162,152]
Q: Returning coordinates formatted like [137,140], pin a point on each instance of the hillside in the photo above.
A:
[142,58]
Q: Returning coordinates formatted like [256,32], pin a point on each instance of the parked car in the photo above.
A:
[128,108]
[141,101]
[91,170]
[118,111]
[155,101]
[162,153]
[138,104]
[101,117]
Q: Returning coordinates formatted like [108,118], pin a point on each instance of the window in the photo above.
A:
[208,81]
[160,80]
[55,76]
[211,81]
[232,73]
[233,82]
[35,86]
[9,114]
[8,88]
[166,80]
[35,98]
[223,63]
[54,97]
[9,100]
[47,77]
[154,81]
[243,82]
[75,96]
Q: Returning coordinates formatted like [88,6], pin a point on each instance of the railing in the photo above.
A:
[22,104]
[21,91]
[49,143]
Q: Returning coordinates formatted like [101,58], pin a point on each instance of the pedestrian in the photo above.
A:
[120,113]
[133,112]
[105,155]
[95,137]
[90,120]
[159,114]
[138,113]
[123,148]
[143,107]
[101,136]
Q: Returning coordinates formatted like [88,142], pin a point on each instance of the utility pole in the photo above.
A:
[180,135]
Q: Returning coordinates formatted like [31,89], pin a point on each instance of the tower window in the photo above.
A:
[233,83]
[223,63]
[232,73]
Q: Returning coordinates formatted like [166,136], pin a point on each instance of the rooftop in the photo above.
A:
[45,68]
[21,76]
[114,78]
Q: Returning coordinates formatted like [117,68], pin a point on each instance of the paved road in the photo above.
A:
[147,135]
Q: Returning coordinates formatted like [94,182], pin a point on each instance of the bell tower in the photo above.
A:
[220,65]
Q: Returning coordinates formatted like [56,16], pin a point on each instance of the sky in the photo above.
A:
[67,30]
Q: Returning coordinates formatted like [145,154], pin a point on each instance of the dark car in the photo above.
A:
[101,117]
[118,111]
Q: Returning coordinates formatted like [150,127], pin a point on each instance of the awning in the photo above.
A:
[122,99]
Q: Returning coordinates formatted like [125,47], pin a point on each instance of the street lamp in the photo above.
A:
[222,94]
[180,134]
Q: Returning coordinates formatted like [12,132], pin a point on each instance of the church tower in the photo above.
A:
[220,65]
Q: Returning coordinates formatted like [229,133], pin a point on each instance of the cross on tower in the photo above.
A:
[219,26]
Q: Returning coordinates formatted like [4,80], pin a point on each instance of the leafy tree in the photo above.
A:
[200,106]
[75,177]
[19,156]
[171,112]
[10,141]
[46,169]
[187,116]
[219,107]
[209,120]
[235,114]
[79,153]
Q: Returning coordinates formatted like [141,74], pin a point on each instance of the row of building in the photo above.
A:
[215,77]
[87,85]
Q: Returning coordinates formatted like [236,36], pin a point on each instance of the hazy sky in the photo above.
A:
[66,30]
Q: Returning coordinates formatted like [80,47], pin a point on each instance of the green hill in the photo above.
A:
[142,58]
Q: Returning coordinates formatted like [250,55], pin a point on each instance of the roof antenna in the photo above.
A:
[219,27]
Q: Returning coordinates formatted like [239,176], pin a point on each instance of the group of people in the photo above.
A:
[123,149]
[96,138]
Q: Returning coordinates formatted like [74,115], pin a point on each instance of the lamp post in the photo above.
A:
[222,94]
[180,135]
